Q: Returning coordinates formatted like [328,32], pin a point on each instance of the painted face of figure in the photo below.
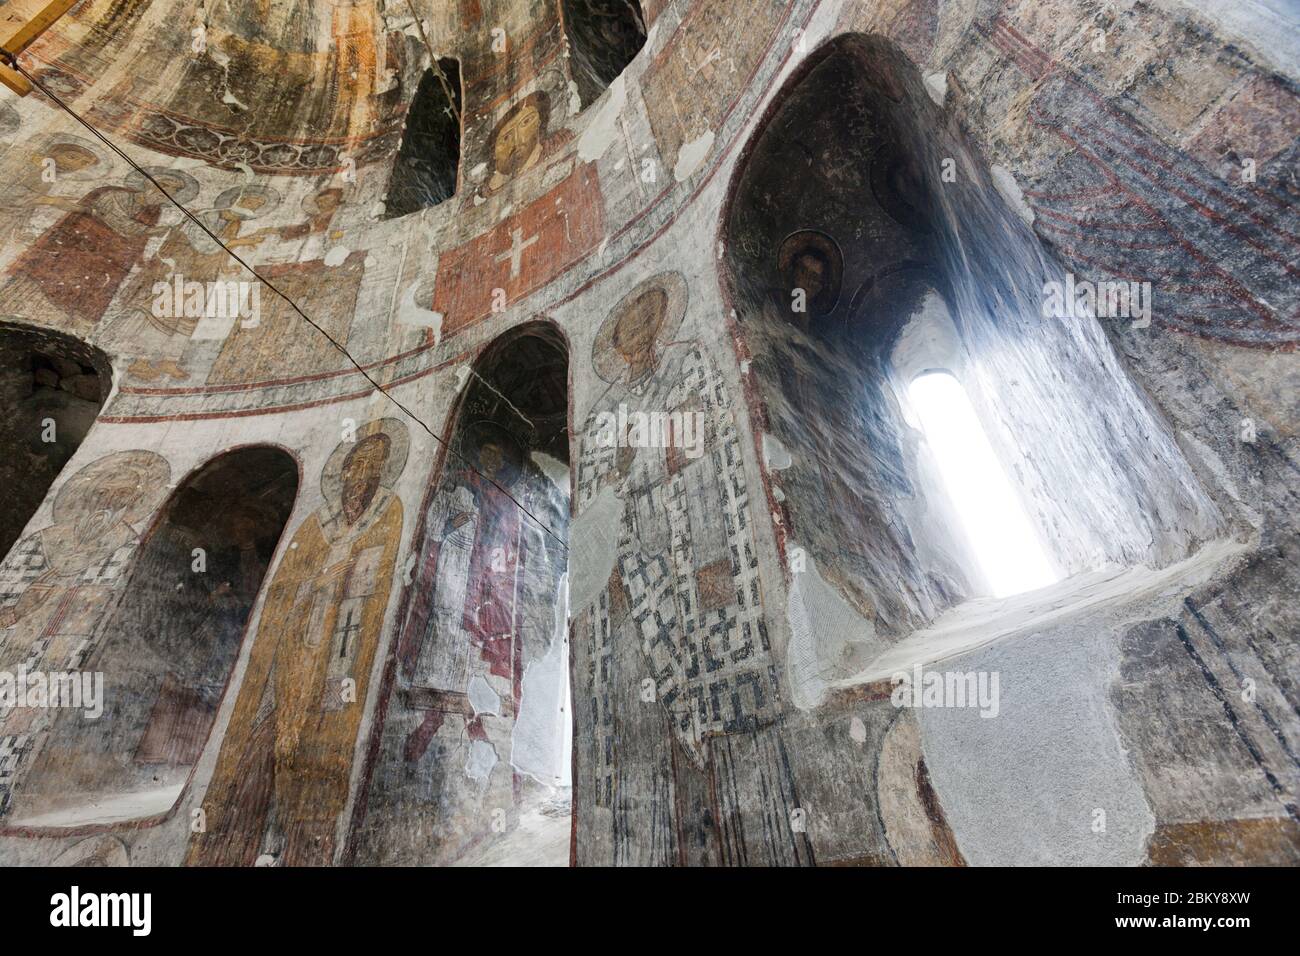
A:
[491,459]
[361,472]
[518,141]
[248,203]
[636,330]
[172,184]
[70,158]
[809,274]
[104,505]
[328,200]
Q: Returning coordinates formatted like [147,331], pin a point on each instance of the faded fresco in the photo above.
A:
[663,278]
[169,647]
[282,777]
[674,649]
[60,582]
[473,735]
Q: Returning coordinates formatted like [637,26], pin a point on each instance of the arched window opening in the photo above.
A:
[167,652]
[995,522]
[474,756]
[51,387]
[428,160]
[866,242]
[604,37]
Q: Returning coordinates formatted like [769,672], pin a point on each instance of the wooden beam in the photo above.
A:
[21,22]
[24,20]
[14,80]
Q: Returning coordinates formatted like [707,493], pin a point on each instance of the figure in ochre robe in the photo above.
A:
[282,776]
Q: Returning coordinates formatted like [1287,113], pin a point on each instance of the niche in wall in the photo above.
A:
[51,388]
[477,731]
[167,651]
[866,243]
[604,36]
[428,160]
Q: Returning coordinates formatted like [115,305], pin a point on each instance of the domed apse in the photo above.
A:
[51,387]
[167,652]
[481,675]
[428,161]
[604,37]
[866,244]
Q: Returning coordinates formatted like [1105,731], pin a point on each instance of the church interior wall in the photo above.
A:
[722,703]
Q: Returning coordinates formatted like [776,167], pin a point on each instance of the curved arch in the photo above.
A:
[603,39]
[52,387]
[478,678]
[427,169]
[165,652]
[863,234]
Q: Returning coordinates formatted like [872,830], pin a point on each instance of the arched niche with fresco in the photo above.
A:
[472,760]
[867,241]
[161,645]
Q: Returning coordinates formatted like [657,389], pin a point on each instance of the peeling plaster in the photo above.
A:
[692,156]
[593,546]
[604,128]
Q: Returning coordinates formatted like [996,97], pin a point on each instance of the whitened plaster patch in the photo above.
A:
[541,742]
[1006,185]
[936,84]
[556,471]
[593,546]
[691,157]
[775,455]
[828,638]
[482,758]
[482,697]
[1049,761]
[857,730]
[604,126]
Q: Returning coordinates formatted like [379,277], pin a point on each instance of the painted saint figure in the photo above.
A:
[676,609]
[520,140]
[812,270]
[282,776]
[75,268]
[188,253]
[58,583]
[475,526]
[65,160]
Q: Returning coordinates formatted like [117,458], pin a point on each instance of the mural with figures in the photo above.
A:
[476,721]
[522,461]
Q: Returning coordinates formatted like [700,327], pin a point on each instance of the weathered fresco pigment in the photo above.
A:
[635,560]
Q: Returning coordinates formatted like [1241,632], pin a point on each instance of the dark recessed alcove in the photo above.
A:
[51,389]
[428,161]
[604,37]
[168,649]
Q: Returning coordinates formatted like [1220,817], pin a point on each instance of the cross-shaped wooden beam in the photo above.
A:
[21,22]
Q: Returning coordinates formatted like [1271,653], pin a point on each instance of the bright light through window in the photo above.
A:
[988,507]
